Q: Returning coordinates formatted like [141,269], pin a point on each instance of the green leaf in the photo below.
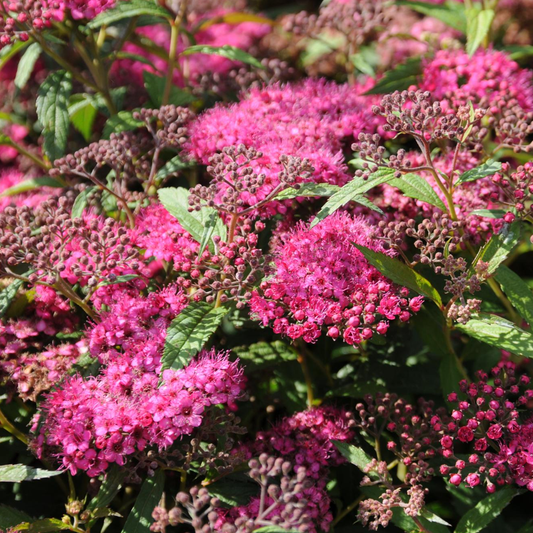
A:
[11,517]
[517,291]
[350,191]
[19,473]
[478,23]
[83,114]
[8,295]
[119,279]
[308,190]
[489,213]
[30,185]
[517,52]
[500,246]
[418,188]
[236,18]
[263,355]
[52,110]
[11,50]
[451,13]
[155,87]
[450,374]
[363,200]
[27,64]
[230,52]
[128,10]
[234,490]
[209,228]
[499,332]
[46,525]
[399,78]
[361,64]
[400,273]
[140,518]
[176,202]
[188,333]
[122,121]
[171,167]
[81,202]
[486,510]
[356,456]
[109,488]
[486,169]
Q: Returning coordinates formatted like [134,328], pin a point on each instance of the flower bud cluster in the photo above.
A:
[486,442]
[132,155]
[416,113]
[54,245]
[229,272]
[236,188]
[287,499]
[517,188]
[357,20]
[321,280]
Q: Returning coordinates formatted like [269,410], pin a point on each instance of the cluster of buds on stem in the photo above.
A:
[238,189]
[230,271]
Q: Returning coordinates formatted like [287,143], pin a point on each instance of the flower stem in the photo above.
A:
[10,428]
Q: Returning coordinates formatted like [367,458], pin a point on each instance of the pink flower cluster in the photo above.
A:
[306,439]
[10,177]
[487,422]
[39,15]
[311,120]
[91,423]
[161,236]
[48,314]
[322,280]
[487,79]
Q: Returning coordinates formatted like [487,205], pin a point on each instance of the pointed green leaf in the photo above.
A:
[308,190]
[451,13]
[83,114]
[517,291]
[171,167]
[351,191]
[109,488]
[46,525]
[489,213]
[418,188]
[400,273]
[188,333]
[263,354]
[478,23]
[81,201]
[499,332]
[52,110]
[8,295]
[486,169]
[486,510]
[155,87]
[229,52]
[176,202]
[122,121]
[27,64]
[353,454]
[496,251]
[128,10]
[11,517]
[20,473]
[399,78]
[140,518]
[30,185]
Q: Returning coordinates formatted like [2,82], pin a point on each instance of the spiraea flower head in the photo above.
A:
[320,280]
